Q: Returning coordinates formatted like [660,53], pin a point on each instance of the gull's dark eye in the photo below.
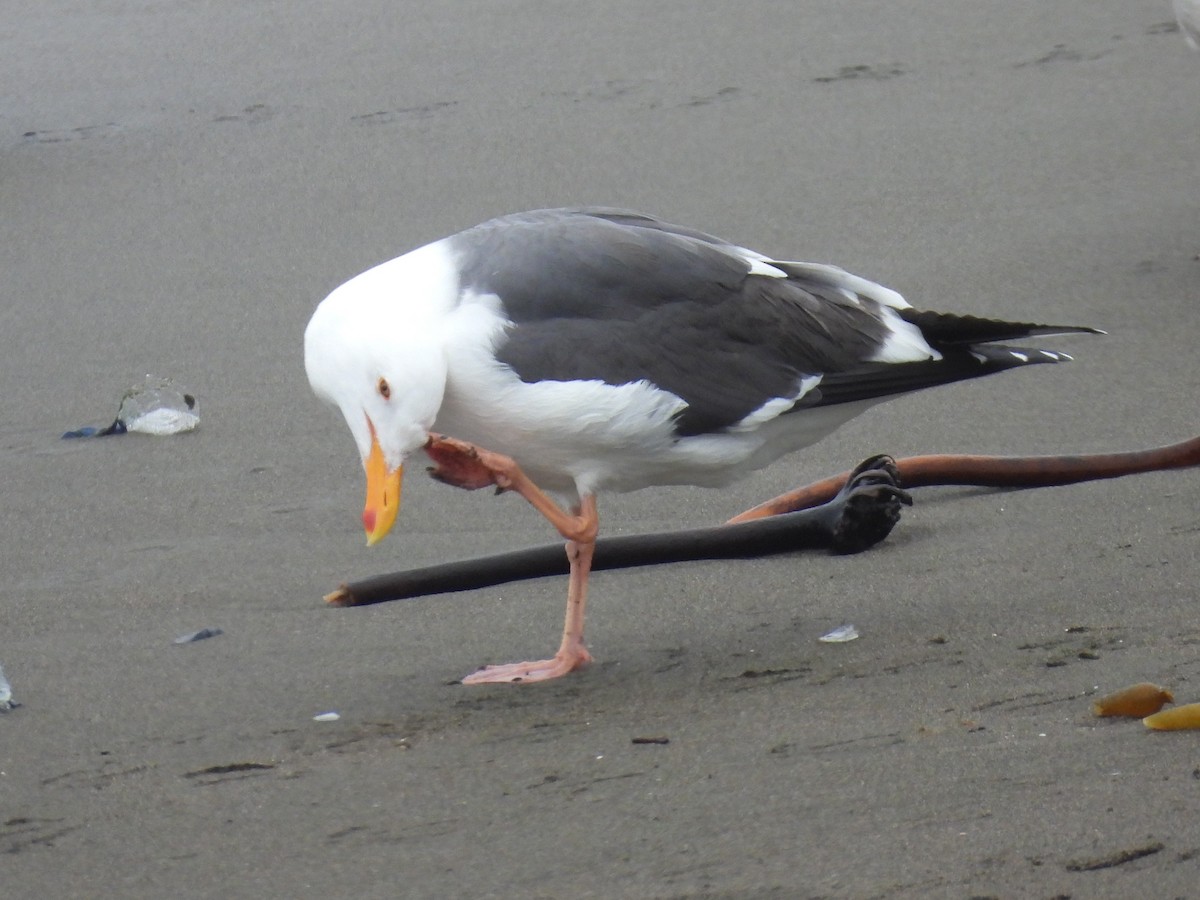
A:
[384,389]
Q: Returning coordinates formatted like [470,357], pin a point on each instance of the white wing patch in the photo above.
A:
[763,267]
[1023,356]
[851,286]
[775,407]
[759,264]
[903,343]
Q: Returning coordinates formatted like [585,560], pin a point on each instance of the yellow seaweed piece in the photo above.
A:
[1137,701]
[1177,719]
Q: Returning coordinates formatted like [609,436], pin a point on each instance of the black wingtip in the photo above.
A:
[948,329]
[1067,329]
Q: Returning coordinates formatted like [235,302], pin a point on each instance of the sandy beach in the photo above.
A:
[182,184]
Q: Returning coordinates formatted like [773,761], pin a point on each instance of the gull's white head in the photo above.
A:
[373,349]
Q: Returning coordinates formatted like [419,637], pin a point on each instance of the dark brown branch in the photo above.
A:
[801,519]
[775,534]
[862,513]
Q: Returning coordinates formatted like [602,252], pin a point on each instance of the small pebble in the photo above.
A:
[198,635]
[840,635]
[326,717]
[1179,718]
[1138,701]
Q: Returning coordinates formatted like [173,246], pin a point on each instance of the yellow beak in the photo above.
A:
[383,494]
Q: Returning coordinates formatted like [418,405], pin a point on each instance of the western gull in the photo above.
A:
[568,351]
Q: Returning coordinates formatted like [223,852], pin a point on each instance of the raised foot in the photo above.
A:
[524,672]
[867,508]
[466,466]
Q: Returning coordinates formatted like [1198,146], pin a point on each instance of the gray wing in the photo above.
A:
[619,297]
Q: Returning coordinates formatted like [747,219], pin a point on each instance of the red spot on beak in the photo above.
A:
[383,492]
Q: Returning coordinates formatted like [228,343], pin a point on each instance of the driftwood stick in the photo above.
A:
[995,471]
[862,513]
[761,537]
[792,521]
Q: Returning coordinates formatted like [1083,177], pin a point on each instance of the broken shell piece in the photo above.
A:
[158,406]
[840,635]
[1138,701]
[202,635]
[1180,718]
[6,700]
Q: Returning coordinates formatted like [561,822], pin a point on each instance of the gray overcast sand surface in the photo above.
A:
[182,183]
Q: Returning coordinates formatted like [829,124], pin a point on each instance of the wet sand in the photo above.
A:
[182,184]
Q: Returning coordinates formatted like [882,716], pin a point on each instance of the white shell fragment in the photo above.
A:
[158,406]
[164,421]
[6,700]
[326,717]
[840,635]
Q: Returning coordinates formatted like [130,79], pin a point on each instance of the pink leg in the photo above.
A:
[572,654]
[466,466]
